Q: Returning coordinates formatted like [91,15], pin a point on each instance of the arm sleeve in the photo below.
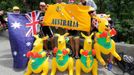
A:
[92,4]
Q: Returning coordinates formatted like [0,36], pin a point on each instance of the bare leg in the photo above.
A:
[110,58]
[45,45]
[55,38]
[72,45]
[52,42]
[55,41]
[77,42]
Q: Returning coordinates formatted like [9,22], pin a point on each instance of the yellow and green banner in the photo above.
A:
[68,16]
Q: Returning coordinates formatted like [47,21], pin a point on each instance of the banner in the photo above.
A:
[21,28]
[69,16]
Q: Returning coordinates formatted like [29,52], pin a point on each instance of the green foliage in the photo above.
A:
[7,5]
[125,30]
[122,13]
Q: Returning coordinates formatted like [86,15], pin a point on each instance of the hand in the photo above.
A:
[37,55]
[55,50]
[93,52]
[104,34]
[29,54]
[113,32]
[65,52]
[85,53]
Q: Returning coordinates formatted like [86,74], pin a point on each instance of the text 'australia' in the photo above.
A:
[65,22]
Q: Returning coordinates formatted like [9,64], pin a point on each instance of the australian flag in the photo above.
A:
[22,27]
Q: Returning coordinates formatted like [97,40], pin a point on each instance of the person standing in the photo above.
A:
[71,1]
[2,21]
[89,3]
[16,10]
[75,42]
[58,1]
[74,38]
[92,12]
[45,30]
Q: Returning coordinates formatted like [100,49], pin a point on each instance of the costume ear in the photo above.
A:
[45,38]
[83,35]
[91,35]
[66,34]
[57,35]
[108,15]
[36,36]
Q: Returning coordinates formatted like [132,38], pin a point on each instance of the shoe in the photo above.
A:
[77,57]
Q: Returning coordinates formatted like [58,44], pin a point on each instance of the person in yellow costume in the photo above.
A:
[103,42]
[74,38]
[87,61]
[45,30]
[38,61]
[62,61]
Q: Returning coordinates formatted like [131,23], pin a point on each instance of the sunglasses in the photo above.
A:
[16,10]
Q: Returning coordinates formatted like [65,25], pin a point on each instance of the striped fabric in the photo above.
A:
[128,59]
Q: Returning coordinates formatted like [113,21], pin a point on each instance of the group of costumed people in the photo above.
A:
[74,38]
[96,41]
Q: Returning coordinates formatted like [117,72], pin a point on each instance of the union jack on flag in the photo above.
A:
[20,28]
[33,18]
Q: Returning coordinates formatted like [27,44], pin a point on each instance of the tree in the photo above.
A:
[122,13]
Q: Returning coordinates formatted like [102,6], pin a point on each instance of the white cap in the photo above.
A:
[42,3]
[1,12]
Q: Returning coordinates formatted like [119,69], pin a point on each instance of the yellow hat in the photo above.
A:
[16,8]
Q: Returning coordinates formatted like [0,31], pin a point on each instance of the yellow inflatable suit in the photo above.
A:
[62,61]
[38,61]
[87,62]
[104,44]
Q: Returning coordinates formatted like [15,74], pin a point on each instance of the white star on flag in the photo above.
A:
[14,53]
[24,55]
[16,25]
[28,44]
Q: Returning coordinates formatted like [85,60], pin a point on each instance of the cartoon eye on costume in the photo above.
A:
[107,25]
